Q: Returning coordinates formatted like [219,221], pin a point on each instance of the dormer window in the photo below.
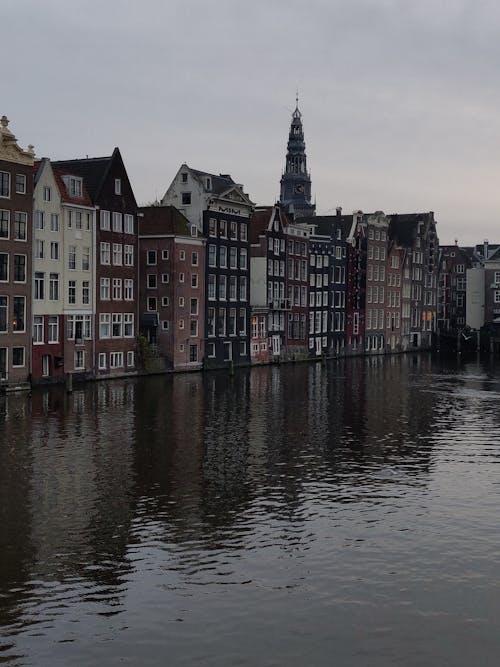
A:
[184,177]
[118,186]
[74,186]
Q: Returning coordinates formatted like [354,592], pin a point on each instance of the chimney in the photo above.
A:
[485,248]
[339,211]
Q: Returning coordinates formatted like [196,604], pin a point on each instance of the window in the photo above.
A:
[128,325]
[165,277]
[233,258]
[223,256]
[211,286]
[116,360]
[228,351]
[105,325]
[18,320]
[186,198]
[212,255]
[181,324]
[211,322]
[4,223]
[85,259]
[129,255]
[54,250]
[243,231]
[85,292]
[211,350]
[116,325]
[128,226]
[118,186]
[212,227]
[151,259]
[164,325]
[164,254]
[72,291]
[128,289]
[37,329]
[232,288]
[193,353]
[39,249]
[54,286]
[105,253]
[70,219]
[117,254]
[46,193]
[184,177]
[193,306]
[496,296]
[194,280]
[117,222]
[20,184]
[105,220]
[165,301]
[194,259]
[18,356]
[193,328]
[243,288]
[4,267]
[231,327]
[72,257]
[151,303]
[243,258]
[182,255]
[3,313]
[181,302]
[221,322]
[222,287]
[4,184]
[20,226]
[181,277]
[79,360]
[233,230]
[151,277]
[194,230]
[130,359]
[75,187]
[39,286]
[117,289]
[19,268]
[223,229]
[460,268]
[102,361]
[53,329]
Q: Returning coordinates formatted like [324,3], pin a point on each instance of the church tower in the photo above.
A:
[295,193]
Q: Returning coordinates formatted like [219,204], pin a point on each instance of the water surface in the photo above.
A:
[301,515]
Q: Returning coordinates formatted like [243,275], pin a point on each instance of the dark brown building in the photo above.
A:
[16,212]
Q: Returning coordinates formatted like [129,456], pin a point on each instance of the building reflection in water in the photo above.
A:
[194,463]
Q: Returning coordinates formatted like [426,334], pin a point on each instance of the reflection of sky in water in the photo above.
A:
[283,516]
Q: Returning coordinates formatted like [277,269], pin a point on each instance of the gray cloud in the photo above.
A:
[400,99]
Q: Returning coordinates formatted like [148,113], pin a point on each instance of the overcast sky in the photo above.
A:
[400,98]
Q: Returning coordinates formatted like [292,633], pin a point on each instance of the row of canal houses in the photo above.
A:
[94,286]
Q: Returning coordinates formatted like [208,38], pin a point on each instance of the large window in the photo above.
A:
[39,285]
[105,289]
[117,222]
[117,254]
[4,266]
[128,325]
[128,289]
[20,226]
[53,329]
[129,224]
[72,292]
[4,223]
[4,184]
[72,257]
[105,325]
[105,220]
[54,287]
[19,318]
[3,313]
[129,255]
[20,184]
[38,329]
[105,253]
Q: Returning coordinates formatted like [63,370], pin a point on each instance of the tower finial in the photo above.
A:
[297,98]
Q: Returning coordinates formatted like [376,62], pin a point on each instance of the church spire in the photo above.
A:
[296,181]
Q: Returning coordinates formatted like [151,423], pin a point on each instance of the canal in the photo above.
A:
[295,515]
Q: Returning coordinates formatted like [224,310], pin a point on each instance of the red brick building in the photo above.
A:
[172,287]
[16,212]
